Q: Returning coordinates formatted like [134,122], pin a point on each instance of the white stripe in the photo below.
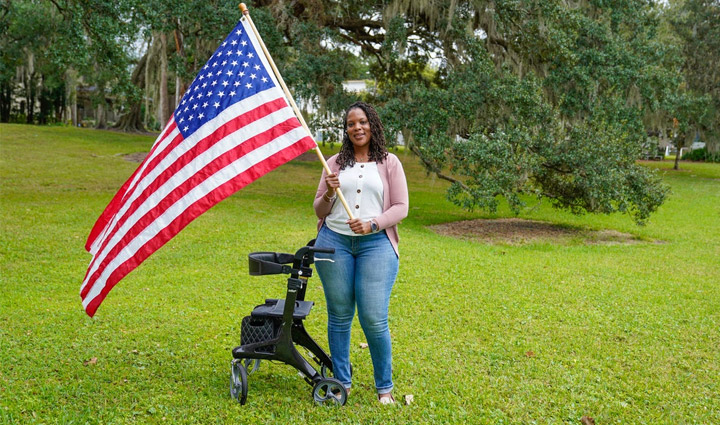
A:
[227,143]
[198,192]
[208,128]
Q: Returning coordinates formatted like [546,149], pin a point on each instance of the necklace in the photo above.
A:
[361,159]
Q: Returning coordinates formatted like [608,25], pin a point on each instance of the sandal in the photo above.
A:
[386,398]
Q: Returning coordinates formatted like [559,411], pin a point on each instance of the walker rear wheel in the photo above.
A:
[330,391]
[238,381]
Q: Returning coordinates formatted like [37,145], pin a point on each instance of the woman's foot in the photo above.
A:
[386,398]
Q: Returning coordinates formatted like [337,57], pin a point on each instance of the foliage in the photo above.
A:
[550,333]
[701,154]
[542,98]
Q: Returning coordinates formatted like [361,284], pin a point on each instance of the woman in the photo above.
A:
[363,269]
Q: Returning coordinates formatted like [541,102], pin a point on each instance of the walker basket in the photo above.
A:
[255,330]
[262,263]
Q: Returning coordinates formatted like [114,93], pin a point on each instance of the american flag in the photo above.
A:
[232,126]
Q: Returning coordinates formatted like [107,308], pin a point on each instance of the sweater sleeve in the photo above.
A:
[322,207]
[397,185]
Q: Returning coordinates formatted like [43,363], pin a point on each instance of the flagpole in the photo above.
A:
[289,96]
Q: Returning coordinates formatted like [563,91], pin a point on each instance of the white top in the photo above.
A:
[363,190]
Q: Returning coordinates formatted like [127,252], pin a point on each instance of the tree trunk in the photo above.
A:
[101,116]
[5,101]
[163,107]
[131,121]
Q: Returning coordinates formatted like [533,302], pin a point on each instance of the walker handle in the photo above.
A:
[323,250]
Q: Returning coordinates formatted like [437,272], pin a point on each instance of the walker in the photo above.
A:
[272,330]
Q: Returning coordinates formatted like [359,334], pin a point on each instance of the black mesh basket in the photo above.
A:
[256,330]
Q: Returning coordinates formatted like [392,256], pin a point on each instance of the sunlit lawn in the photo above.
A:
[534,333]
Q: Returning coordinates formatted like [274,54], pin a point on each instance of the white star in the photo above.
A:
[229,52]
[192,98]
[205,105]
[186,128]
[233,63]
[234,42]
[232,93]
[257,67]
[225,83]
[229,73]
[248,85]
[253,76]
[183,102]
[216,104]
[238,32]
[205,67]
[251,55]
[239,53]
[224,63]
[191,117]
[224,44]
[218,73]
[200,116]
[195,106]
[245,64]
[200,95]
[237,83]
[196,87]
[244,43]
[201,76]
[187,108]
[209,94]
[204,85]
[264,80]
[213,83]
[181,120]
[221,94]
[209,75]
[214,64]
[242,74]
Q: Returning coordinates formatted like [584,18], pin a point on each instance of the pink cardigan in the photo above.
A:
[395,196]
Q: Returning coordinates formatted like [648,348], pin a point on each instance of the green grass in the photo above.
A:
[497,334]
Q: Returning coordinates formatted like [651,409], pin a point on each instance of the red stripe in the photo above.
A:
[181,190]
[196,209]
[115,204]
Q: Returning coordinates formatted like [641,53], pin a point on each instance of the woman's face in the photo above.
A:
[358,128]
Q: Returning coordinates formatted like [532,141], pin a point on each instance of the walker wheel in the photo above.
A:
[330,391]
[251,369]
[238,381]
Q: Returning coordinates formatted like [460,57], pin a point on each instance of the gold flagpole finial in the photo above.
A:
[243,9]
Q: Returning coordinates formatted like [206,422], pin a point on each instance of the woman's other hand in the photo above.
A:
[359,226]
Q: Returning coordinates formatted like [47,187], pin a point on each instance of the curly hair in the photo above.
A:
[378,151]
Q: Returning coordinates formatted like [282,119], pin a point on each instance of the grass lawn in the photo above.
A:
[489,334]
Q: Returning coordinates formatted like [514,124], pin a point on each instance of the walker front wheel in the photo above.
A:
[330,391]
[238,381]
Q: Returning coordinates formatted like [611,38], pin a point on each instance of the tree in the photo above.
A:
[527,98]
[696,25]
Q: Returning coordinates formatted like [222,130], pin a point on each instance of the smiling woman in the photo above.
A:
[363,269]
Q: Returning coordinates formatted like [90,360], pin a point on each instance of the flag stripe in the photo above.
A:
[188,208]
[146,216]
[153,197]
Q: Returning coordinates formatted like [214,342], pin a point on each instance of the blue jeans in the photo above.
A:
[362,272]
